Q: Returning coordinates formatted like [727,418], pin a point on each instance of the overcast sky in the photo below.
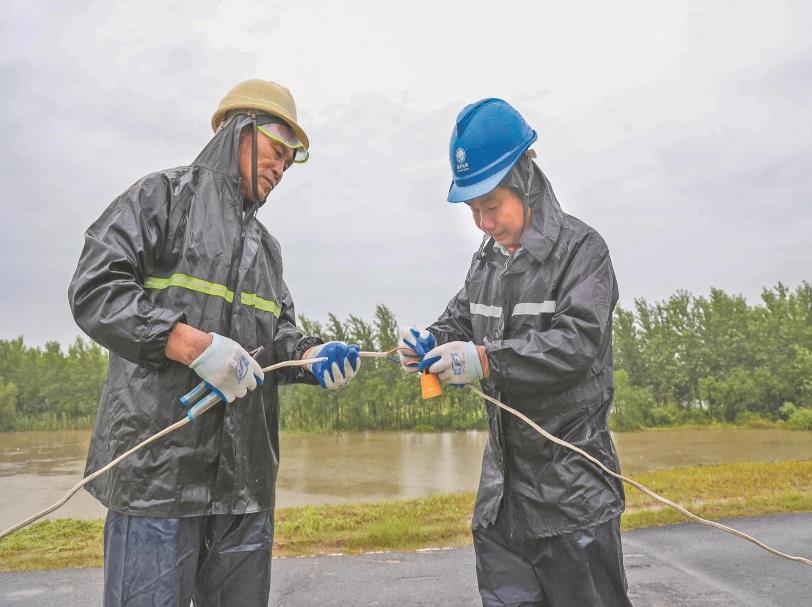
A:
[682,131]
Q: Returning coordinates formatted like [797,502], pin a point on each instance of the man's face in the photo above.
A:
[499,213]
[272,160]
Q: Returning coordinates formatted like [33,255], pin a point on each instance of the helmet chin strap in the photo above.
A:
[526,197]
[254,188]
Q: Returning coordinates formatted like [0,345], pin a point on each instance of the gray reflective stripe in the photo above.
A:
[545,307]
[191,283]
[485,310]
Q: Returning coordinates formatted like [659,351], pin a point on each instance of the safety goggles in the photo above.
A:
[284,135]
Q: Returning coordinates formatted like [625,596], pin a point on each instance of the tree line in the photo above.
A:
[686,360]
[48,388]
[715,359]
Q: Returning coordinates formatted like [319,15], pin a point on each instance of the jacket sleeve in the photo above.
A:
[107,294]
[553,360]
[290,343]
[454,323]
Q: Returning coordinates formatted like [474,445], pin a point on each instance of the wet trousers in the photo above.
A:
[217,561]
[580,569]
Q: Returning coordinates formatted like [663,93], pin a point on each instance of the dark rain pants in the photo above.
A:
[218,560]
[580,569]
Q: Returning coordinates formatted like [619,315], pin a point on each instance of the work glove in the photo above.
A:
[343,362]
[457,362]
[412,347]
[226,369]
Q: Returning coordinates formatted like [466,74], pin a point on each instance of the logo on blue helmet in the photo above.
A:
[461,164]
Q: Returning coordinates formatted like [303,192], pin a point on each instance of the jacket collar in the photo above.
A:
[545,223]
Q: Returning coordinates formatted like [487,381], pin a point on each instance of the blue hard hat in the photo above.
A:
[488,139]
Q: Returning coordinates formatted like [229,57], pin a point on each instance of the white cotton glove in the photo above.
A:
[227,368]
[457,362]
[412,346]
[343,362]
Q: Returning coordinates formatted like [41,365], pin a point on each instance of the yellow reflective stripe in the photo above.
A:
[190,282]
[212,288]
[252,299]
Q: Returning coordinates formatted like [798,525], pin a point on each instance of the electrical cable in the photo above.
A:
[630,481]
[501,405]
[210,401]
[637,485]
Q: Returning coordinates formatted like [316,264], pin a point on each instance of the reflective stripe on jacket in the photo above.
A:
[545,318]
[179,246]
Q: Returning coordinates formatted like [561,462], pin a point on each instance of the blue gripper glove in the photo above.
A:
[412,347]
[343,362]
[226,369]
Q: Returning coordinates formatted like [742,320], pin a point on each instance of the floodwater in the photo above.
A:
[38,468]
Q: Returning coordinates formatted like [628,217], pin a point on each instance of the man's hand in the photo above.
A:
[457,362]
[412,347]
[186,343]
[227,369]
[343,362]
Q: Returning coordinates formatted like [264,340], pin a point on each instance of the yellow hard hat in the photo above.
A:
[262,96]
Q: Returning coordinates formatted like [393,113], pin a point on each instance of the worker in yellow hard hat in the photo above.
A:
[180,281]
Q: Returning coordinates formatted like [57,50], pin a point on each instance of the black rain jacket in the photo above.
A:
[179,245]
[544,315]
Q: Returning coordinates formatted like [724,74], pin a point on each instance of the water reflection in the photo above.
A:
[654,450]
[37,468]
[362,466]
[43,453]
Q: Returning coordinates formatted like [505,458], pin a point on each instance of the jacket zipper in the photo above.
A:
[234,273]
[500,418]
[500,423]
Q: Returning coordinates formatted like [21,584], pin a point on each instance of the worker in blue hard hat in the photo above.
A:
[533,324]
[178,279]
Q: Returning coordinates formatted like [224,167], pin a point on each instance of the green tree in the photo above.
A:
[8,406]
[632,405]
[801,419]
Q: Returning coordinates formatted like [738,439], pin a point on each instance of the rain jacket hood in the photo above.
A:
[178,246]
[544,316]
[545,221]
[222,153]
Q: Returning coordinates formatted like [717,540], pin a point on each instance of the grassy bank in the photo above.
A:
[713,492]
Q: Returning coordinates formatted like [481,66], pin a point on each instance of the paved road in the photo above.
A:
[679,566]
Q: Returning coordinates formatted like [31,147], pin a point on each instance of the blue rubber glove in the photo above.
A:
[343,362]
[456,363]
[412,347]
[226,369]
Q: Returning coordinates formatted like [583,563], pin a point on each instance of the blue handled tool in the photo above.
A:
[206,395]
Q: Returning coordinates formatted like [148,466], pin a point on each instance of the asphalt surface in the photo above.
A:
[678,566]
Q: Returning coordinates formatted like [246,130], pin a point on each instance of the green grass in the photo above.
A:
[724,491]
[54,544]
[728,490]
[711,424]
[397,525]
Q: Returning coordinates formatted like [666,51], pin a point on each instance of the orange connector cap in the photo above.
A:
[430,385]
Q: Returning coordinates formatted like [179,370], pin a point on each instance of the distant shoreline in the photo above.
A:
[758,424]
